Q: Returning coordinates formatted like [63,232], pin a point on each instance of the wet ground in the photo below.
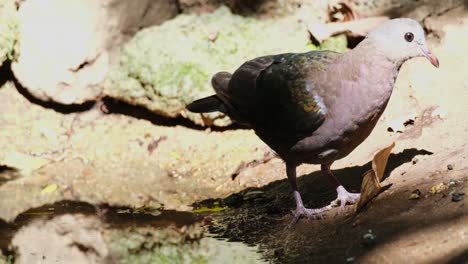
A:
[107,182]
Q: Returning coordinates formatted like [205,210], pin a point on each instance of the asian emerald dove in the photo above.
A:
[317,107]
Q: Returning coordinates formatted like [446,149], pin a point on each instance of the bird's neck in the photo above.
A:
[369,77]
[374,66]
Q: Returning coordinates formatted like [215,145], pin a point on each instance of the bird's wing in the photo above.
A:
[279,95]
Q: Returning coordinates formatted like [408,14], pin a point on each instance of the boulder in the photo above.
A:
[66,47]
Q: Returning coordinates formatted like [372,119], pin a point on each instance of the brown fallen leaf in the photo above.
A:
[341,11]
[360,27]
[371,186]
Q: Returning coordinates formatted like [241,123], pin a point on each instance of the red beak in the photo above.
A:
[432,58]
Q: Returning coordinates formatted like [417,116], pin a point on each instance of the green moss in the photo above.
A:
[162,245]
[337,43]
[171,244]
[9,31]
[9,259]
[166,67]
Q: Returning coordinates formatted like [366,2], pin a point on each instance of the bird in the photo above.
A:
[316,107]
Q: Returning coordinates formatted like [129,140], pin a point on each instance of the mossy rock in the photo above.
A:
[166,67]
[169,245]
[9,31]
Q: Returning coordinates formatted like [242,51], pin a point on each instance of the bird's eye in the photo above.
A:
[409,36]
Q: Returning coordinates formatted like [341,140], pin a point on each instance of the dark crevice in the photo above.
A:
[81,66]
[5,73]
[4,168]
[8,174]
[353,41]
[178,7]
[113,106]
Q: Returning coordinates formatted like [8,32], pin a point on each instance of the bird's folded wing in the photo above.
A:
[278,95]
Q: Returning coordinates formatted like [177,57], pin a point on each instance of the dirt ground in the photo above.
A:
[103,179]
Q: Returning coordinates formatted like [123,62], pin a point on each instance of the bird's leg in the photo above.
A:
[344,196]
[300,209]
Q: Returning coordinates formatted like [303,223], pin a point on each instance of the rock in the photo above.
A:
[452,183]
[415,195]
[64,239]
[449,167]
[457,196]
[165,76]
[307,9]
[369,238]
[9,32]
[66,46]
[417,10]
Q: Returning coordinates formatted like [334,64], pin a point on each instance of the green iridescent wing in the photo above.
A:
[278,95]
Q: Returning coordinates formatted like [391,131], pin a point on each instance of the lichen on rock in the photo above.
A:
[9,32]
[166,67]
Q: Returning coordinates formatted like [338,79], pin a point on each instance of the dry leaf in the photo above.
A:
[342,11]
[371,186]
[360,27]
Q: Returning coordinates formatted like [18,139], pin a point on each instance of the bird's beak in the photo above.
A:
[431,57]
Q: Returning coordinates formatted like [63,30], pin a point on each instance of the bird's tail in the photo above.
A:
[220,82]
[218,102]
[207,104]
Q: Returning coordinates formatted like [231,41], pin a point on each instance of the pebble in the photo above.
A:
[368,239]
[451,183]
[457,196]
[416,194]
[449,167]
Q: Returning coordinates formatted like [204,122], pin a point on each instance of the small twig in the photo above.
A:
[267,156]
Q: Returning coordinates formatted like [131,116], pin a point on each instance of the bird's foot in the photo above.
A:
[344,197]
[306,212]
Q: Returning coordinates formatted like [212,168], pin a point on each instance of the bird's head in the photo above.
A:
[401,39]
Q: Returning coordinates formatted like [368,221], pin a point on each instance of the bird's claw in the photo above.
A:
[344,197]
[309,213]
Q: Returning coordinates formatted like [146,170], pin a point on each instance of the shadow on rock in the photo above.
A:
[7,75]
[259,216]
[113,106]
